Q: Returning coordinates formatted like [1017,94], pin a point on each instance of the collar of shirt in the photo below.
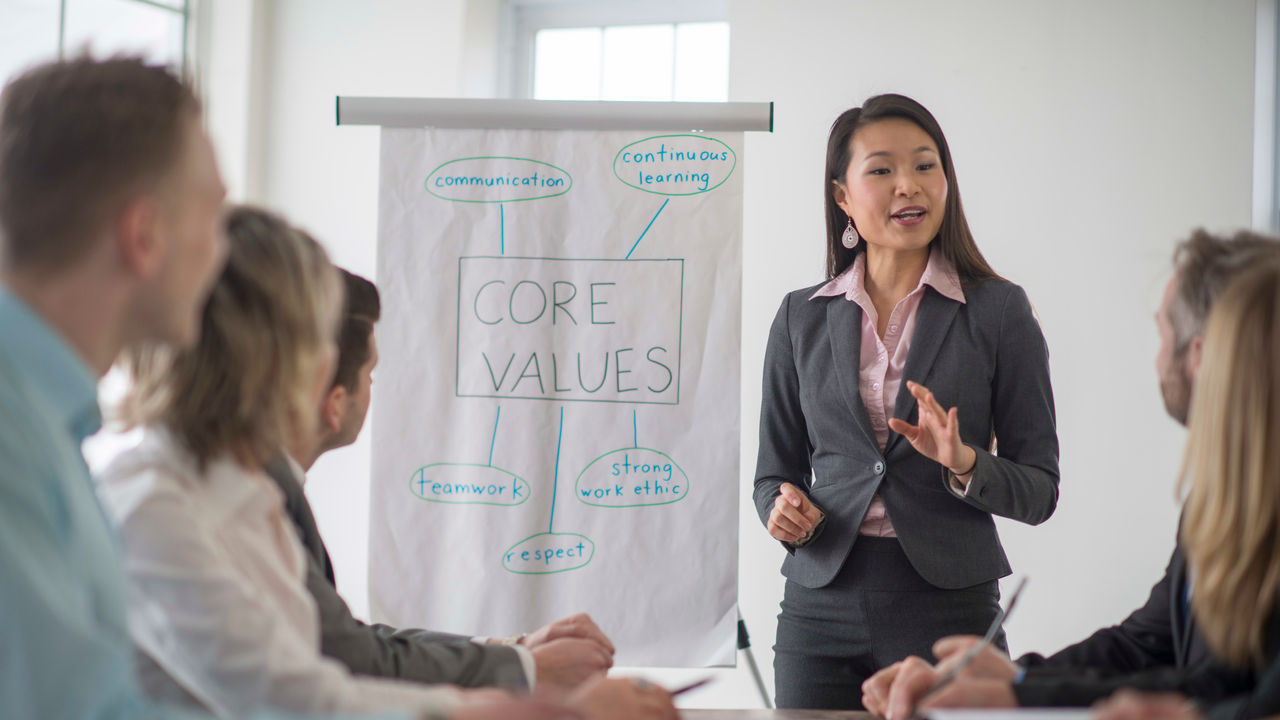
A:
[938,274]
[50,366]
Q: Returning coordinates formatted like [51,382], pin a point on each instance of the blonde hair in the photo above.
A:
[248,386]
[1231,527]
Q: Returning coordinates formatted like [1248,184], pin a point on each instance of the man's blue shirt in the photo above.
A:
[64,643]
[65,650]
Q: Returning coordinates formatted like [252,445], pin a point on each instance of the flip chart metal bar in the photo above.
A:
[554,114]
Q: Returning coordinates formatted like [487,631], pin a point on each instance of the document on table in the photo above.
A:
[1009,714]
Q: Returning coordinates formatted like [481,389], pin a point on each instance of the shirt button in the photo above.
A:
[893,328]
[875,386]
[879,468]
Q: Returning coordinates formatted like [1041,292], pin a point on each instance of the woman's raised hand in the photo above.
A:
[794,516]
[937,437]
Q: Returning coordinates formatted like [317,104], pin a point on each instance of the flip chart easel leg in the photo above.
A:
[744,644]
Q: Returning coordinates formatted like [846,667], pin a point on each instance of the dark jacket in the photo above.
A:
[1159,649]
[379,650]
[986,356]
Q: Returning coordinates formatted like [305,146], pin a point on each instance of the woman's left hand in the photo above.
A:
[937,437]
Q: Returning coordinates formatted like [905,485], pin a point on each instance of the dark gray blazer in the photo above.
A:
[380,650]
[986,356]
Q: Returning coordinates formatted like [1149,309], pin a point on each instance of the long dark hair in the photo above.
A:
[955,240]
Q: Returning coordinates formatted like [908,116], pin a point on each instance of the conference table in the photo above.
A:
[775,715]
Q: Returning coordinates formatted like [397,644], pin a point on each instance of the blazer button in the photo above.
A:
[879,468]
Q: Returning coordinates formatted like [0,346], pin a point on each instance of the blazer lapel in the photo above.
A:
[933,318]
[844,326]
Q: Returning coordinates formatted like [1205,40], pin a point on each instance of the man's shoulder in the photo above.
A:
[282,474]
[296,505]
[27,431]
[285,475]
[40,463]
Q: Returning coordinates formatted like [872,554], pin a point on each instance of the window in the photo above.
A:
[35,31]
[659,51]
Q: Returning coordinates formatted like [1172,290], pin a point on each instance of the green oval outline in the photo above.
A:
[477,502]
[549,572]
[658,137]
[427,183]
[576,483]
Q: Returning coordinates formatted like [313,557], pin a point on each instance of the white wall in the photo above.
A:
[325,177]
[1088,137]
[230,49]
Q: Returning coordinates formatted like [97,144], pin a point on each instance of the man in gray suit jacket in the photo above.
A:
[562,654]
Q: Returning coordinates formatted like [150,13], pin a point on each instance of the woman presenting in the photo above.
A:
[886,389]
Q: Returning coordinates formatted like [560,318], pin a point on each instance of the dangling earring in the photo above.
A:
[850,237]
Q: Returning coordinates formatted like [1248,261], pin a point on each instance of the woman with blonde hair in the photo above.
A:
[217,602]
[1231,520]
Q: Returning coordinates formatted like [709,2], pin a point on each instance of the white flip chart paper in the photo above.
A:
[555,424]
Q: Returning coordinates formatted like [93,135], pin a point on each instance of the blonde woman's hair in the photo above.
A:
[248,386]
[1231,526]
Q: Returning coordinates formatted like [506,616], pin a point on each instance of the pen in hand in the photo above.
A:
[949,676]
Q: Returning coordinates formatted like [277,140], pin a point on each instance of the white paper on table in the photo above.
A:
[1009,714]
[556,412]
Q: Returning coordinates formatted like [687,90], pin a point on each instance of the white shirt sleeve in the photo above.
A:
[213,600]
[527,663]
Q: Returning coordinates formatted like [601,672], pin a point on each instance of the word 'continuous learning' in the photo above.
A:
[675,164]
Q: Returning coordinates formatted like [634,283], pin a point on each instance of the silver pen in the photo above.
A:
[954,671]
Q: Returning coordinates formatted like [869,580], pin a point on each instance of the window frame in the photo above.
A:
[185,8]
[522,19]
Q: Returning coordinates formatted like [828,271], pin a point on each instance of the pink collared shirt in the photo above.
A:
[883,359]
